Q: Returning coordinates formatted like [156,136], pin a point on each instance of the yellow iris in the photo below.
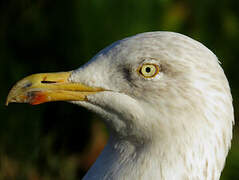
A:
[149,70]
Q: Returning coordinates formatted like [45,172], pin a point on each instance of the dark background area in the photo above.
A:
[60,140]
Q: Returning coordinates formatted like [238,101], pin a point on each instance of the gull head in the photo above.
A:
[161,94]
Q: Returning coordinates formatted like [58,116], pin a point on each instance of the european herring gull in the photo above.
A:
[164,98]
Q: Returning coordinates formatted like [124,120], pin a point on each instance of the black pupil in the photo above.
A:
[147,69]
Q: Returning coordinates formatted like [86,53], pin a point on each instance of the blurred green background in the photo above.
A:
[61,140]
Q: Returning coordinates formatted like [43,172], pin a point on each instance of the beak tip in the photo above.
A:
[8,100]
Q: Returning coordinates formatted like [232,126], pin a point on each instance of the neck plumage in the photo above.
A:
[122,159]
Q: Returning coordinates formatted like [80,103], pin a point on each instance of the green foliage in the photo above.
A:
[47,141]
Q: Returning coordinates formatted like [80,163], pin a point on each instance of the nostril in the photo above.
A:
[48,82]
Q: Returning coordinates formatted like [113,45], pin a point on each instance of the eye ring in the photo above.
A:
[148,70]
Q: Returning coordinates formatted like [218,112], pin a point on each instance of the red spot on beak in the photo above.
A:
[37,98]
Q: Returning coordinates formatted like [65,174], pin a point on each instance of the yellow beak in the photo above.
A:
[46,87]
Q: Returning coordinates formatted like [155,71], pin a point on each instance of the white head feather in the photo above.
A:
[176,125]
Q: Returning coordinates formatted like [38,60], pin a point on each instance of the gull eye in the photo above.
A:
[149,70]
